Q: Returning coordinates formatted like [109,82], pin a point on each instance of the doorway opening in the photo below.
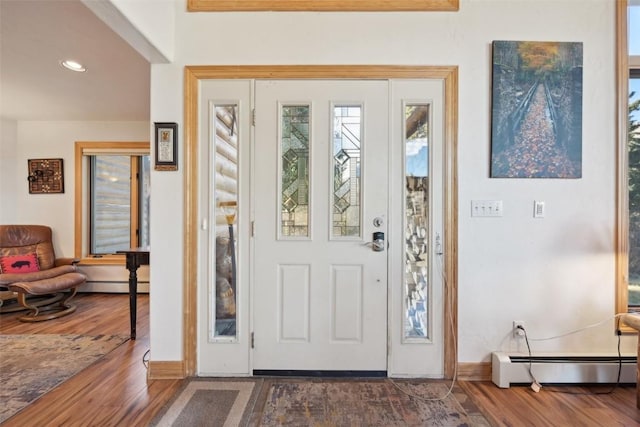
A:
[196,75]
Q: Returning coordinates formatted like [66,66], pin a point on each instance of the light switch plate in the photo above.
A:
[484,208]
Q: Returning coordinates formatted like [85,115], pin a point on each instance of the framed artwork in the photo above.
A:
[536,110]
[166,146]
[46,176]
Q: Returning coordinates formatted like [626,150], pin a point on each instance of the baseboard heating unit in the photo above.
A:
[509,368]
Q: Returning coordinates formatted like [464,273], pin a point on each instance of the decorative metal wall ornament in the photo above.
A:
[46,176]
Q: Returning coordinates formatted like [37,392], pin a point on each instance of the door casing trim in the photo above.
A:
[192,77]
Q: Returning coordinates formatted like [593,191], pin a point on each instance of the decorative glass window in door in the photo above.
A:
[294,161]
[416,284]
[347,142]
[225,161]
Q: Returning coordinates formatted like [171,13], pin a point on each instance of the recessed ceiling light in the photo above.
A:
[73,65]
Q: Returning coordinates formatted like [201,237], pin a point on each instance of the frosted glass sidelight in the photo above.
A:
[347,143]
[416,283]
[225,177]
[294,160]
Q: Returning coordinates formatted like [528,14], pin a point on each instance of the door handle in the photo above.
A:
[378,242]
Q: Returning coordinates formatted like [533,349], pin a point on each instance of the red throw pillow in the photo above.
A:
[26,263]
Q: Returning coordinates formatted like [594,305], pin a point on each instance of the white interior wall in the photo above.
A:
[8,169]
[556,273]
[154,19]
[147,25]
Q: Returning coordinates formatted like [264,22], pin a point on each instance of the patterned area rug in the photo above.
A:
[368,403]
[31,365]
[319,402]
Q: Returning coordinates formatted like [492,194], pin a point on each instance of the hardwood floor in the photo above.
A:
[115,391]
[554,406]
[112,392]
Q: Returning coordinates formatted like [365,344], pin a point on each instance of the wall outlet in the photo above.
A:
[518,333]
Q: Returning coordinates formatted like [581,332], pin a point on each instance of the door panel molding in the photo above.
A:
[347,314]
[293,292]
[192,77]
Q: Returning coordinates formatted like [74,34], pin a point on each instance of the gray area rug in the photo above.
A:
[31,365]
[318,402]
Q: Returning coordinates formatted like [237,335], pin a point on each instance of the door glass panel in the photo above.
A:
[226,207]
[294,181]
[416,286]
[347,143]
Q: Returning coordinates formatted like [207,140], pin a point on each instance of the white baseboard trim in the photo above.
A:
[113,287]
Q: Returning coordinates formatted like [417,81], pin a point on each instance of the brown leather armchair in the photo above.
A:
[29,267]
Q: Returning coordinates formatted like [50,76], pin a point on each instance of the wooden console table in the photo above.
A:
[135,258]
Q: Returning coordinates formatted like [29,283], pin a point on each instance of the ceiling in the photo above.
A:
[36,35]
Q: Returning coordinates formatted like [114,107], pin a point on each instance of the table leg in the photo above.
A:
[133,296]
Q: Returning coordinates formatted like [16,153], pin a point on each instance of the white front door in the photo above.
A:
[321,191]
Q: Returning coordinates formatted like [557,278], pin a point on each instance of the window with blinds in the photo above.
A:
[112,197]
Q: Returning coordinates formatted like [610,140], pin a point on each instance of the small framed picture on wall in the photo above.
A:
[166,146]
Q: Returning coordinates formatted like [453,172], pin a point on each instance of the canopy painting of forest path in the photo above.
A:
[537,110]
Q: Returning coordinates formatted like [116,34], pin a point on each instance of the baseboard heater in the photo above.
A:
[508,369]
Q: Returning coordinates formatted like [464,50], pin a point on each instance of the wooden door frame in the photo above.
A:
[192,77]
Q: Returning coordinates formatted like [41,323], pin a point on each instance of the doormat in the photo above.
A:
[210,402]
[318,402]
[32,365]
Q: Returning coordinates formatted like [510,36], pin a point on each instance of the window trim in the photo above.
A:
[322,5]
[622,193]
[83,149]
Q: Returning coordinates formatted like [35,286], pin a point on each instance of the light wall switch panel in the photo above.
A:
[486,208]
